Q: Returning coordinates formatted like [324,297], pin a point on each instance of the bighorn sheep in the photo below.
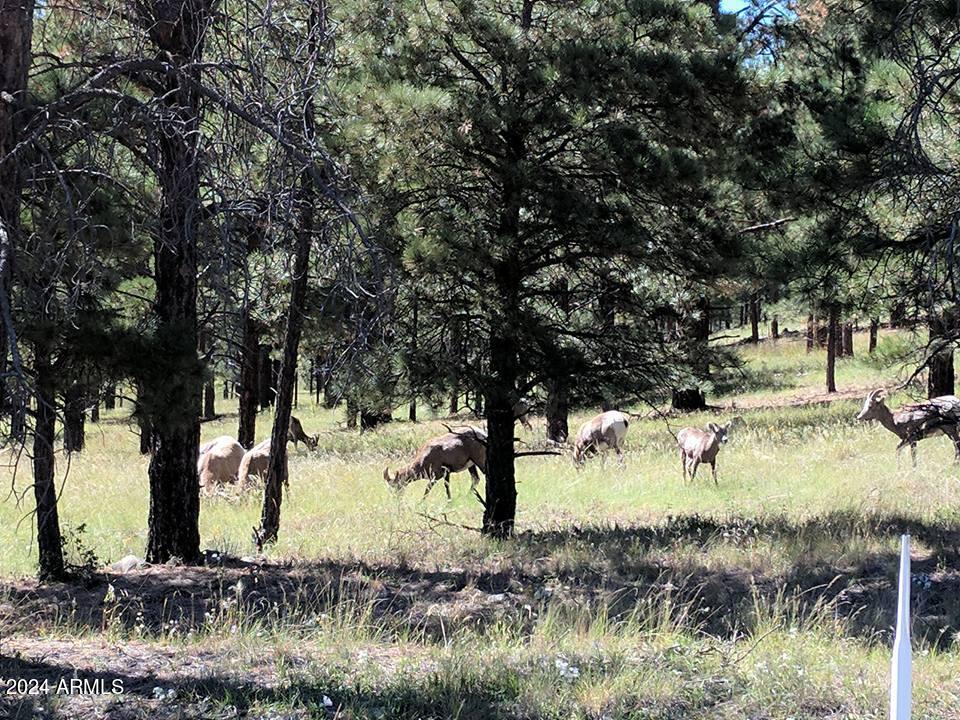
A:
[464,449]
[219,462]
[701,446]
[607,430]
[914,422]
[521,412]
[255,462]
[296,434]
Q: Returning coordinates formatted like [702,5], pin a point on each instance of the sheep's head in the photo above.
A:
[872,404]
[720,431]
[399,480]
[312,440]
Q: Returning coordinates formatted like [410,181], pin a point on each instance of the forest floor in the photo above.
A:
[626,594]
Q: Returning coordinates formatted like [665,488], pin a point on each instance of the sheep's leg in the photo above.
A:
[683,464]
[430,483]
[474,478]
[446,483]
[620,460]
[695,463]
[913,453]
[713,467]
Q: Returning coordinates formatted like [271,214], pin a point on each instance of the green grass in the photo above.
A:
[769,595]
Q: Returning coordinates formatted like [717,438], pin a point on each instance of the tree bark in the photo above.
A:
[110,397]
[209,390]
[249,378]
[775,328]
[177,29]
[501,491]
[414,350]
[557,411]
[755,318]
[811,332]
[73,419]
[832,329]
[848,339]
[874,329]
[266,385]
[698,338]
[277,469]
[49,541]
[16,32]
[940,378]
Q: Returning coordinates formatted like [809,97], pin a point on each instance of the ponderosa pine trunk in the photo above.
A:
[501,489]
[74,399]
[874,330]
[755,318]
[110,397]
[249,380]
[557,410]
[833,324]
[173,399]
[265,384]
[811,332]
[848,339]
[940,376]
[49,542]
[414,349]
[16,32]
[775,328]
[692,399]
[277,472]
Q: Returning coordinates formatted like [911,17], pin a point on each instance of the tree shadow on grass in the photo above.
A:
[842,565]
[324,691]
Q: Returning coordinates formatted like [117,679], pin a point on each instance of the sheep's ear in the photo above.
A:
[713,427]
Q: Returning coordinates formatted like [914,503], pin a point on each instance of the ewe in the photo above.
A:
[607,430]
[701,446]
[219,462]
[914,422]
[458,450]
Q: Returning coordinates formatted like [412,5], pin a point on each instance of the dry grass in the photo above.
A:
[626,593]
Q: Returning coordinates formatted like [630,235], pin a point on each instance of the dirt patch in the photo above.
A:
[808,397]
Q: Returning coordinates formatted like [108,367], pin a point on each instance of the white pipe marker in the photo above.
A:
[900,674]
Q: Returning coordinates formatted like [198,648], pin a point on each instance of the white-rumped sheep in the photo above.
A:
[606,431]
[464,449]
[219,462]
[296,434]
[917,421]
[701,446]
[255,462]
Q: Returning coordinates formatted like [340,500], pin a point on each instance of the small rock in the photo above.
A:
[127,563]
[497,597]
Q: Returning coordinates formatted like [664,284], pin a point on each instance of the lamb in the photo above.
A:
[917,421]
[296,434]
[607,430]
[219,462]
[255,462]
[464,449]
[701,446]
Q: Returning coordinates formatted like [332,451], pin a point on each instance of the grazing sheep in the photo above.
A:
[917,421]
[255,462]
[607,430]
[296,434]
[701,446]
[458,450]
[219,462]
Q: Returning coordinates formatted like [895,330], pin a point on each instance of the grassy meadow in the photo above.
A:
[626,594]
